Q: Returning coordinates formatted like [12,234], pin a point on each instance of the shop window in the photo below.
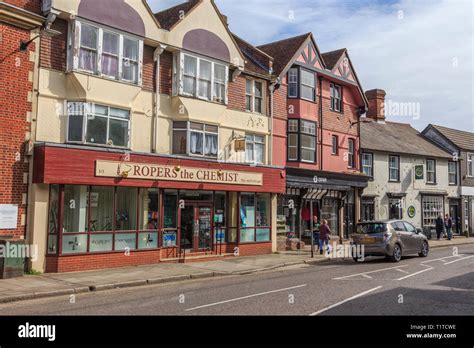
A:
[170,218]
[53,227]
[96,124]
[149,212]
[220,218]
[453,173]
[255,223]
[201,78]
[336,97]
[431,171]
[125,241]
[254,96]
[126,209]
[330,212]
[120,55]
[254,148]
[101,208]
[74,243]
[433,206]
[395,208]
[75,215]
[368,164]
[100,242]
[394,168]
[195,139]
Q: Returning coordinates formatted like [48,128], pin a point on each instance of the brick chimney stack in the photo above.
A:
[376,99]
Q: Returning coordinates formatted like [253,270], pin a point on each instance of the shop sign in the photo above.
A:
[175,173]
[8,216]
[319,180]
[411,212]
[419,172]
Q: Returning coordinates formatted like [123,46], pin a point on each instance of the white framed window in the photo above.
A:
[470,164]
[195,139]
[453,173]
[293,140]
[293,83]
[394,168]
[336,97]
[430,171]
[368,164]
[433,206]
[255,148]
[254,96]
[395,208]
[106,53]
[308,85]
[201,78]
[96,124]
[308,141]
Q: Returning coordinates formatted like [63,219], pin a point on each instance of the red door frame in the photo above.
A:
[196,205]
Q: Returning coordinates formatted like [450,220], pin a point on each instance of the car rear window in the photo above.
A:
[372,228]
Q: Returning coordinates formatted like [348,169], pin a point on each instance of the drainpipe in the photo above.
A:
[156,98]
[321,119]
[272,88]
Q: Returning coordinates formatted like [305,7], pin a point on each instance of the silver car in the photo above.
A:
[392,239]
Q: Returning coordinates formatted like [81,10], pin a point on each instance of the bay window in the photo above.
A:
[254,96]
[96,124]
[254,148]
[430,171]
[308,85]
[293,83]
[200,78]
[301,141]
[196,139]
[106,53]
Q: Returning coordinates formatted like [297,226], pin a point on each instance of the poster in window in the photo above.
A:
[419,172]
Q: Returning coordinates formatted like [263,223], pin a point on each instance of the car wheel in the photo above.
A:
[424,250]
[396,254]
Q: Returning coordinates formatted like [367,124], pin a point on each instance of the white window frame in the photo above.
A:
[370,164]
[254,140]
[453,173]
[430,171]
[336,103]
[75,45]
[314,136]
[470,165]
[313,87]
[295,133]
[87,109]
[293,80]
[179,78]
[390,179]
[253,96]
[188,138]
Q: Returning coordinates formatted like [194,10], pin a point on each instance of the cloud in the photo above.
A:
[418,51]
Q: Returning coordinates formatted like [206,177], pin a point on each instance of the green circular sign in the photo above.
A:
[411,212]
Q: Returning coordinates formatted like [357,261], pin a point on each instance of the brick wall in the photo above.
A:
[237,90]
[29,5]
[15,93]
[148,68]
[54,49]
[166,73]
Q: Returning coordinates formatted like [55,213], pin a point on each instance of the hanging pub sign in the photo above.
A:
[411,212]
[419,172]
[175,173]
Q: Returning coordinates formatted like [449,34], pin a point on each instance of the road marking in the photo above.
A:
[401,270]
[464,258]
[366,276]
[346,300]
[442,258]
[416,273]
[245,297]
[365,273]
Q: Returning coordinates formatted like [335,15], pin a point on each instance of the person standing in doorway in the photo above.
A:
[439,226]
[324,233]
[448,224]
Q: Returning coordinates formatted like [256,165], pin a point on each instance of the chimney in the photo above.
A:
[376,99]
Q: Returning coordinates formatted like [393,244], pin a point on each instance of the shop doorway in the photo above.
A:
[454,214]
[196,226]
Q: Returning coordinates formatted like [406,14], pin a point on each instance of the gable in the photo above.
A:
[344,69]
[202,31]
[309,57]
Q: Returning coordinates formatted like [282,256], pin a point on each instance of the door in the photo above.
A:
[454,213]
[196,227]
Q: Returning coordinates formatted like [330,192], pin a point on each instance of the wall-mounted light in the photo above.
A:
[46,31]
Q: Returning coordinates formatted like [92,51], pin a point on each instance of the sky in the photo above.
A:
[420,52]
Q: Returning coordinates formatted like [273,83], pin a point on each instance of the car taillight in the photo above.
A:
[387,236]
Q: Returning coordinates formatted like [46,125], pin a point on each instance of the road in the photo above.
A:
[442,284]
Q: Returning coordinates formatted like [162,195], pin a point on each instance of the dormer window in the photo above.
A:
[106,53]
[201,78]
[302,84]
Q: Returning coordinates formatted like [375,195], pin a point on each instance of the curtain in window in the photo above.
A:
[110,54]
[130,60]
[211,145]
[88,50]
[196,143]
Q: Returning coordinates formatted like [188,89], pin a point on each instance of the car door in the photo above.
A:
[403,236]
[413,238]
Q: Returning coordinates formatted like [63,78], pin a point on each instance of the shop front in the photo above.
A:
[313,196]
[111,210]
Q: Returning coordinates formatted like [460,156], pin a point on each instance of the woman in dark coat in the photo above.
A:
[439,226]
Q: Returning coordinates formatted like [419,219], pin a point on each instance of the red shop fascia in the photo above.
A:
[60,166]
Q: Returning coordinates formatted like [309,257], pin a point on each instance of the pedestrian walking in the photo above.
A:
[448,224]
[439,226]
[316,227]
[324,236]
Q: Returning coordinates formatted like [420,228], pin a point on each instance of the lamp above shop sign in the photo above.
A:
[171,173]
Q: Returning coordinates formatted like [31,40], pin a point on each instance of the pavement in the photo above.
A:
[441,284]
[51,285]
